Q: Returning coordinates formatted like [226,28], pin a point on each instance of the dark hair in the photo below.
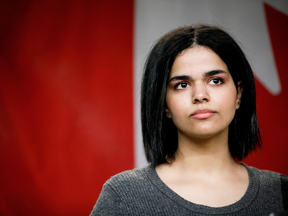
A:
[159,132]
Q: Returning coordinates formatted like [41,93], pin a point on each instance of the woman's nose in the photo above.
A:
[200,94]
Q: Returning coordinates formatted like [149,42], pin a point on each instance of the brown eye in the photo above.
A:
[181,85]
[216,81]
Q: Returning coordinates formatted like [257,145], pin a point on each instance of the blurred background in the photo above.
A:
[70,75]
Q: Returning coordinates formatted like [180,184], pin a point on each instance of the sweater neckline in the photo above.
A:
[244,202]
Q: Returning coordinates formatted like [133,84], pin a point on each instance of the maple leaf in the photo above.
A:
[273,109]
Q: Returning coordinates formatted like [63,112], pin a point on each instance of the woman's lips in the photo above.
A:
[203,114]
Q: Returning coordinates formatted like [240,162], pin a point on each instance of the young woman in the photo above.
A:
[199,118]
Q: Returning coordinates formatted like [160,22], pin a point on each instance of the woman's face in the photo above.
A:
[201,96]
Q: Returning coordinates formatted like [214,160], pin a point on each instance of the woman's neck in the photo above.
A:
[204,172]
[203,162]
[203,154]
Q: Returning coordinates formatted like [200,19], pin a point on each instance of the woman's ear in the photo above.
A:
[239,94]
[167,112]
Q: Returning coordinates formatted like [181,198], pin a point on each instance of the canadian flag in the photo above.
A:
[70,75]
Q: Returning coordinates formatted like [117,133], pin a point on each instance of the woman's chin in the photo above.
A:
[204,134]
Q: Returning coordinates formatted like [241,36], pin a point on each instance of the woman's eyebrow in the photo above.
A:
[182,77]
[206,74]
[213,72]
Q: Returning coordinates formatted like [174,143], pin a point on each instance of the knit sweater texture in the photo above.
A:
[142,192]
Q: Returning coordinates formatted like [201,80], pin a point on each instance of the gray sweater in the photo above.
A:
[141,192]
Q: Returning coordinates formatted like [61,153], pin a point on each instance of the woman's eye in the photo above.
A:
[182,85]
[216,81]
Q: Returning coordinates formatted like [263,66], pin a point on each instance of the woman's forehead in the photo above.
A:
[197,60]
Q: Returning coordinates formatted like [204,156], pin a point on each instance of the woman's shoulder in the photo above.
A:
[129,178]
[265,174]
[270,185]
[270,179]
[122,191]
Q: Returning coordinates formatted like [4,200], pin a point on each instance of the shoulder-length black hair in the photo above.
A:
[159,132]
